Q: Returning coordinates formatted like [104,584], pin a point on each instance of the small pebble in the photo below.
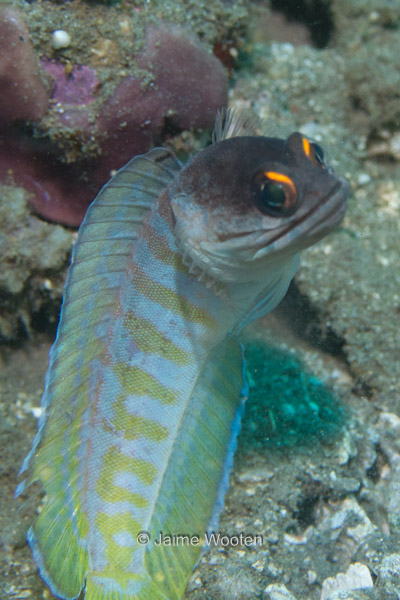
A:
[277,592]
[364,179]
[311,577]
[60,39]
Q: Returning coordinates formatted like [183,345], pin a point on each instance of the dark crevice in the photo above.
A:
[306,322]
[299,314]
[35,310]
[45,320]
[314,14]
[374,471]
[169,129]
[305,513]
[362,388]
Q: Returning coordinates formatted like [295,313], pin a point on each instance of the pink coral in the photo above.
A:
[58,190]
[189,80]
[76,87]
[188,87]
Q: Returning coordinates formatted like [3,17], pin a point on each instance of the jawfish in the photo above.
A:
[144,391]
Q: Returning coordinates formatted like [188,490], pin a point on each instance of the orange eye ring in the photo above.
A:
[274,193]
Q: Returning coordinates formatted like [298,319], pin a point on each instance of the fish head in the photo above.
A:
[247,203]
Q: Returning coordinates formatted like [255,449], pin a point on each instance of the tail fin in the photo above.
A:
[62,561]
[99,587]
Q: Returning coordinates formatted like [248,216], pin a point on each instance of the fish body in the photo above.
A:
[143,400]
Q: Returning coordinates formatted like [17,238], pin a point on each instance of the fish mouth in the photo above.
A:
[312,225]
[243,256]
[333,210]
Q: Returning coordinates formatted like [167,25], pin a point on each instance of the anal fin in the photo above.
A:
[192,481]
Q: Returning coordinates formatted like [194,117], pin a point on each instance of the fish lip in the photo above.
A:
[338,193]
[329,220]
[260,246]
[337,197]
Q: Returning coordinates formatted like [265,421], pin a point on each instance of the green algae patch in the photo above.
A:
[287,406]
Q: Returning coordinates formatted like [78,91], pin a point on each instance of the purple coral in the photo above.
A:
[188,86]
[77,86]
[190,81]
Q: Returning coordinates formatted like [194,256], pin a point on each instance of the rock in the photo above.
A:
[277,592]
[356,577]
[388,580]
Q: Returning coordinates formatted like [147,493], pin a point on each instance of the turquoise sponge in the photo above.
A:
[287,406]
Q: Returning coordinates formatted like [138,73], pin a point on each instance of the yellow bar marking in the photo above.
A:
[119,557]
[160,249]
[149,339]
[110,492]
[172,301]
[137,382]
[132,426]
[117,462]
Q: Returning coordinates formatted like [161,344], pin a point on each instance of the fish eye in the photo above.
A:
[318,153]
[314,152]
[274,194]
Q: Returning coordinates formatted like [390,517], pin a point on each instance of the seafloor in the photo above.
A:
[317,471]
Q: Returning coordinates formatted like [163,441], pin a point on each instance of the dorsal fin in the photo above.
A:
[231,123]
[100,262]
[105,243]
[132,190]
